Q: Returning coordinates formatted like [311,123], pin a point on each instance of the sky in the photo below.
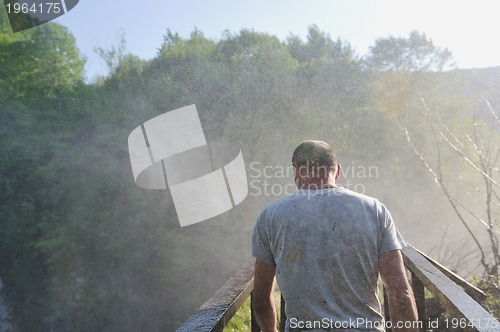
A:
[469,29]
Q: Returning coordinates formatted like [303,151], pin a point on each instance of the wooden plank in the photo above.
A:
[387,315]
[476,293]
[254,327]
[419,293]
[282,314]
[214,314]
[459,304]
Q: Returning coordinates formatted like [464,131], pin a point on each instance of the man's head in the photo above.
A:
[315,165]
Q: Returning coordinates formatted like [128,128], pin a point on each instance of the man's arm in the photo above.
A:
[402,307]
[262,296]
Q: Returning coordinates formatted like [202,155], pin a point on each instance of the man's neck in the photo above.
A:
[317,184]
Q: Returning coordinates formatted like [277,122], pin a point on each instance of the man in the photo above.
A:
[326,246]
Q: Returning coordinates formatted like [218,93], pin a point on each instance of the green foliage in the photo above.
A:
[241,321]
[40,63]
[115,55]
[320,46]
[415,53]
[492,291]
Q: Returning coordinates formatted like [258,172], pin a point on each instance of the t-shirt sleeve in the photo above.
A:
[261,242]
[391,239]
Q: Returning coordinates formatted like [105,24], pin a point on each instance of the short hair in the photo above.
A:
[315,155]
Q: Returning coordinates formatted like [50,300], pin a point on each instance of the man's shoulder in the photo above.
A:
[279,206]
[347,196]
[273,205]
[351,198]
[333,192]
[360,196]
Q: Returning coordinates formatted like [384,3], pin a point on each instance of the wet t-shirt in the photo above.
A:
[325,246]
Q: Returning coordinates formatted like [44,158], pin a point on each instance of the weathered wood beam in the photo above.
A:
[459,304]
[214,314]
[476,293]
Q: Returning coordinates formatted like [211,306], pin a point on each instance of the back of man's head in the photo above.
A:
[317,157]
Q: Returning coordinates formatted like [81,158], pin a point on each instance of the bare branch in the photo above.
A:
[440,183]
[492,110]
[436,176]
[474,215]
[468,160]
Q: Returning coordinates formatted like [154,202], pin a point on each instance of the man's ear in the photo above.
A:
[296,169]
[339,168]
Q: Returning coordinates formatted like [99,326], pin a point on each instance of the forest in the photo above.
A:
[83,248]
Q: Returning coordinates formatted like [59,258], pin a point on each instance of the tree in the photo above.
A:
[320,46]
[415,53]
[114,56]
[327,67]
[43,61]
[474,175]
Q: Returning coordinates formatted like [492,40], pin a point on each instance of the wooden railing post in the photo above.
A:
[253,322]
[387,315]
[419,293]
[255,327]
[282,314]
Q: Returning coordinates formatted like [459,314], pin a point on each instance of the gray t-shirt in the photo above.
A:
[325,246]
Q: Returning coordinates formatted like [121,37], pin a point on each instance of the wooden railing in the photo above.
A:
[460,299]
